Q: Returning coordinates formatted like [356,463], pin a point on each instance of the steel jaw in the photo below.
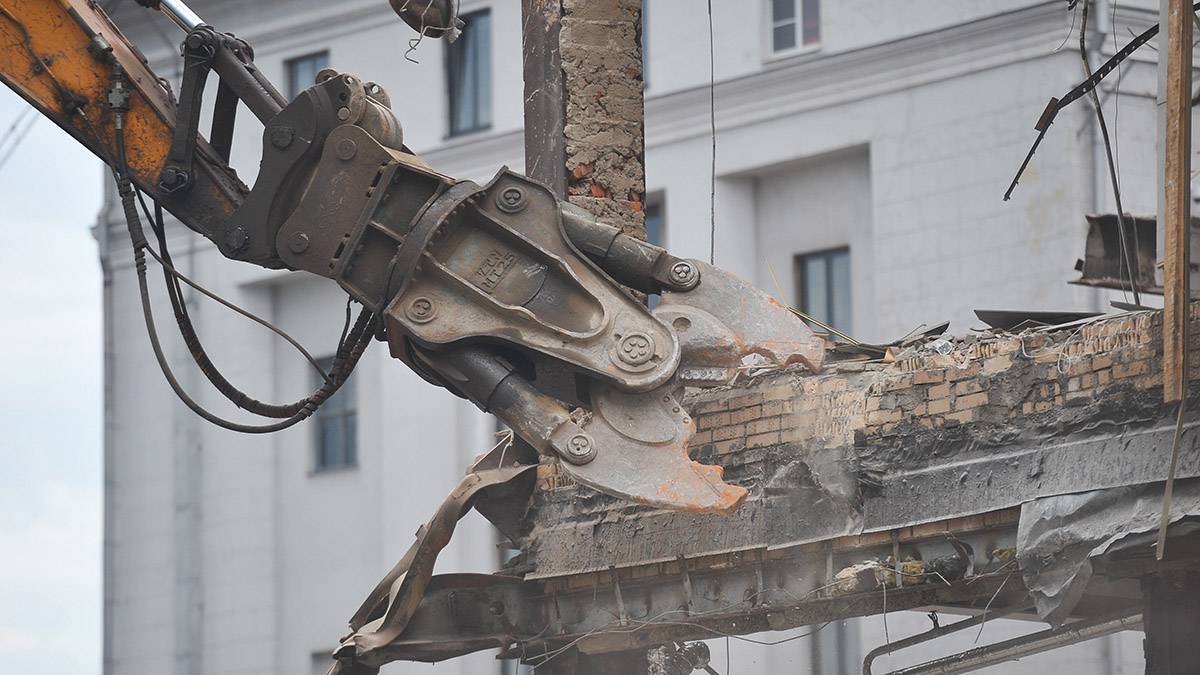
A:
[639,442]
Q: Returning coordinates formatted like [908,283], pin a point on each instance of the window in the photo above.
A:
[469,75]
[336,425]
[302,72]
[823,287]
[794,24]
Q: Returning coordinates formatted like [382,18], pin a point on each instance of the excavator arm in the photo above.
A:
[59,56]
[501,293]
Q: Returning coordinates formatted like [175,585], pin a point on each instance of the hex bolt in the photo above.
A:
[684,274]
[343,114]
[580,449]
[421,310]
[298,243]
[636,349]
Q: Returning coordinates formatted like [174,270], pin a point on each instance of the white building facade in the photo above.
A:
[863,147]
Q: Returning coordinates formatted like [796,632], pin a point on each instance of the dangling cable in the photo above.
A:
[349,351]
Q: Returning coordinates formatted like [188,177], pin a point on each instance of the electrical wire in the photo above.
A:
[712,121]
[17,141]
[1108,151]
[359,336]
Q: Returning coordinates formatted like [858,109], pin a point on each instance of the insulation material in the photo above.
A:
[1058,537]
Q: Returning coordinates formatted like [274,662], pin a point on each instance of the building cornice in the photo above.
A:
[818,80]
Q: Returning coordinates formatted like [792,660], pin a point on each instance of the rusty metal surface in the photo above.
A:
[642,442]
[726,326]
[386,613]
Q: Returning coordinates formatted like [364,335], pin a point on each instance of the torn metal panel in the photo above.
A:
[1103,264]
[1059,537]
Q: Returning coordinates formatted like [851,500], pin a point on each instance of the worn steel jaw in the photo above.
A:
[725,328]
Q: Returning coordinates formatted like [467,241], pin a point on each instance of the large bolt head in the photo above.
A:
[421,310]
[636,349]
[684,274]
[580,449]
[511,199]
[298,243]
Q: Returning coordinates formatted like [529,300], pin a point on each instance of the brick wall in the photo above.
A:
[829,443]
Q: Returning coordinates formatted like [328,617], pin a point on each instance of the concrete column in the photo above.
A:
[584,110]
[1172,622]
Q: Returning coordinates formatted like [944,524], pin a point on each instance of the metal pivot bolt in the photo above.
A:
[343,114]
[684,274]
[636,349]
[421,310]
[282,137]
[346,149]
[511,199]
[298,243]
[580,449]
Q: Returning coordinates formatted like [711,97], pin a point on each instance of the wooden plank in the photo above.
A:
[1177,169]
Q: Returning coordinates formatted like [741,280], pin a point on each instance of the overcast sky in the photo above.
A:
[50,402]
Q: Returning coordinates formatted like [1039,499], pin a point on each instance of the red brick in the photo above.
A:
[929,376]
[939,407]
[712,420]
[762,426]
[967,387]
[771,408]
[970,401]
[745,414]
[726,433]
[939,391]
[759,440]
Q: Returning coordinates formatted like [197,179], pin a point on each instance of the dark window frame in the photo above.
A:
[295,86]
[482,117]
[799,264]
[805,25]
[341,409]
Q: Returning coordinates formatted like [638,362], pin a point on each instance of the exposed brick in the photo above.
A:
[762,426]
[781,393]
[939,407]
[929,376]
[962,416]
[701,407]
[776,407]
[884,416]
[726,433]
[712,420]
[1124,370]
[898,383]
[939,391]
[760,440]
[742,415]
[730,446]
[997,364]
[967,387]
[745,400]
[970,401]
[701,437]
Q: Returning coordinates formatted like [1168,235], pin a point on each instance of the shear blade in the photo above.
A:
[642,454]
